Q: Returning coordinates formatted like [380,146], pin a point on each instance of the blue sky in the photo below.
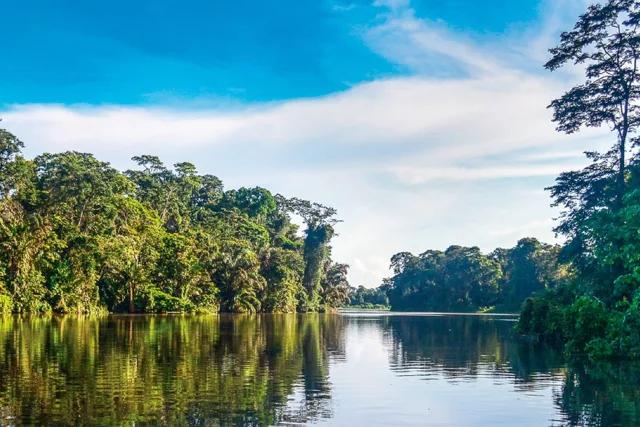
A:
[423,122]
[145,52]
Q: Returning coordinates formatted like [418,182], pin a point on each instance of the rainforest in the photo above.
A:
[78,236]
[484,157]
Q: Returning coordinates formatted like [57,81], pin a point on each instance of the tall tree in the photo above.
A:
[605,41]
[320,221]
[596,312]
[10,147]
[335,286]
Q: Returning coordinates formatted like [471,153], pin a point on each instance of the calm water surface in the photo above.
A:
[346,369]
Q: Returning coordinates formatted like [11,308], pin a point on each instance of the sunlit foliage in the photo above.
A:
[465,279]
[598,312]
[77,235]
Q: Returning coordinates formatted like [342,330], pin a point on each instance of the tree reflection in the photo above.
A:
[172,370]
[464,347]
[270,369]
[601,394]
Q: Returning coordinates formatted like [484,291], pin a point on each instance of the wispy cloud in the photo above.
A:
[413,42]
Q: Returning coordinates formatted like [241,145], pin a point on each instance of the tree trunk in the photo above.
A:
[132,308]
[621,171]
[622,147]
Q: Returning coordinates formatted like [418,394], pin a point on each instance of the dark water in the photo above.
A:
[354,369]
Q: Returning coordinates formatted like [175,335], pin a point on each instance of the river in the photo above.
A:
[337,369]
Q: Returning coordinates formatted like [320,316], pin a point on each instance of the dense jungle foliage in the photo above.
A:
[597,313]
[465,279]
[77,235]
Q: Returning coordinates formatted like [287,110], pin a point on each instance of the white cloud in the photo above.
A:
[410,41]
[413,175]
[410,163]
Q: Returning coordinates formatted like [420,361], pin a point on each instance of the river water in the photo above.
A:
[337,369]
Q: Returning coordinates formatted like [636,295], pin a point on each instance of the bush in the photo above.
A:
[162,302]
[623,332]
[586,323]
[6,304]
[542,318]
[587,327]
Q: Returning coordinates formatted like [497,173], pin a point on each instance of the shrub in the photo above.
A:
[6,304]
[162,302]
[586,323]
[541,318]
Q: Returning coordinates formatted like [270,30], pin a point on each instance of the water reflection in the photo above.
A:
[601,395]
[169,370]
[288,369]
[465,347]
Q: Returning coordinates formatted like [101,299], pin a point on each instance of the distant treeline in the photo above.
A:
[77,235]
[465,279]
[362,297]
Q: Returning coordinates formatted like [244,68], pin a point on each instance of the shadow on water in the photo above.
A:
[270,369]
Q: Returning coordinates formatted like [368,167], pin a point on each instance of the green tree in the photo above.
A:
[335,285]
[75,199]
[470,277]
[282,270]
[528,268]
[368,297]
[320,221]
[605,42]
[129,256]
[77,235]
[593,311]
[182,281]
[238,276]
